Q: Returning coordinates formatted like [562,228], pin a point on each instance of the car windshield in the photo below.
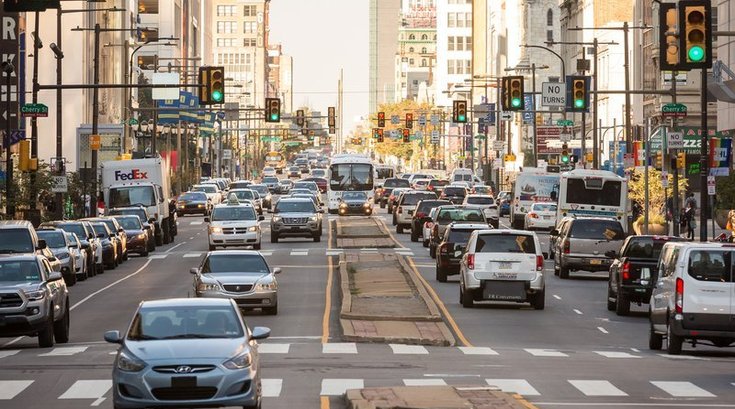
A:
[131,212]
[243,194]
[205,188]
[300,191]
[235,263]
[306,185]
[459,236]
[129,222]
[438,182]
[711,265]
[110,224]
[349,176]
[185,322]
[72,239]
[100,229]
[482,189]
[75,228]
[505,243]
[270,179]
[233,213]
[354,196]
[239,185]
[294,206]
[192,196]
[544,207]
[294,169]
[647,247]
[14,271]
[54,239]
[262,189]
[455,191]
[284,182]
[456,215]
[132,196]
[426,205]
[478,200]
[597,230]
[397,183]
[410,199]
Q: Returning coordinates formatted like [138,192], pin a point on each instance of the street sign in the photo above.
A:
[553,94]
[422,120]
[132,122]
[675,140]
[498,145]
[509,157]
[711,189]
[672,110]
[227,154]
[628,160]
[16,135]
[434,119]
[664,179]
[165,78]
[34,111]
[565,137]
[395,119]
[419,135]
[564,122]
[60,184]
[435,136]
[94,142]
[506,116]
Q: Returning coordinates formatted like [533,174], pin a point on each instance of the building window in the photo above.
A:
[550,18]
[424,37]
[226,27]
[423,62]
[450,43]
[248,42]
[451,19]
[410,62]
[434,37]
[423,50]
[225,11]
[249,11]
[549,35]
[460,20]
[468,19]
[411,37]
[450,67]
[250,27]
[468,43]
[225,42]
[410,49]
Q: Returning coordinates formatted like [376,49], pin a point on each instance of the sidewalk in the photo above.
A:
[433,397]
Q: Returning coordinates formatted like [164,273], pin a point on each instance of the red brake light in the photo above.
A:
[626,271]
[679,295]
[533,215]
[428,225]
[471,261]
[444,248]
[420,215]
[566,247]
[400,210]
[539,263]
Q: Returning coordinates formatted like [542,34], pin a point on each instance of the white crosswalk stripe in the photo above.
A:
[335,387]
[334,252]
[299,252]
[11,389]
[596,388]
[339,348]
[8,353]
[157,256]
[192,255]
[545,352]
[269,348]
[88,389]
[196,223]
[679,389]
[424,382]
[271,387]
[614,354]
[477,351]
[402,349]
[519,386]
[65,351]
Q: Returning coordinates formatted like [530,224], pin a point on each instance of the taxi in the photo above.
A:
[234,223]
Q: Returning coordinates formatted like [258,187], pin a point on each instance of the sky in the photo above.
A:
[323,36]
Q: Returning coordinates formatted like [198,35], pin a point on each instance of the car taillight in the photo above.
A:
[444,248]
[626,271]
[428,225]
[429,187]
[420,215]
[679,295]
[471,261]
[566,247]
[533,215]
[539,263]
[400,210]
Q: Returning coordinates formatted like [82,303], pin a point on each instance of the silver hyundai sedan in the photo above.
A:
[187,352]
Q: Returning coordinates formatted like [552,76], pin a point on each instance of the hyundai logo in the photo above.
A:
[183,369]
[237,288]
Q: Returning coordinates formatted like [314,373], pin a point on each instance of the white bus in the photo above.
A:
[383,172]
[349,173]
[599,193]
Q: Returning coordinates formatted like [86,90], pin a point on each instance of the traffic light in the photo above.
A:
[300,118]
[381,136]
[459,112]
[564,154]
[573,158]
[381,119]
[695,34]
[331,121]
[668,42]
[512,93]
[578,88]
[272,110]
[659,160]
[24,155]
[212,85]
[409,121]
[681,160]
[406,135]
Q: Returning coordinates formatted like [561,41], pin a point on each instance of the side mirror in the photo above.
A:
[41,244]
[546,255]
[194,270]
[113,337]
[152,220]
[554,232]
[206,220]
[261,218]
[611,254]
[277,270]
[55,276]
[52,258]
[85,245]
[121,230]
[260,333]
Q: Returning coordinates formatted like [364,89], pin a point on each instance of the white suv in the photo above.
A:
[406,206]
[502,265]
[234,224]
[693,296]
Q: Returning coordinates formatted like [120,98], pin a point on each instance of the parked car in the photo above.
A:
[451,248]
[193,203]
[633,272]
[448,214]
[138,238]
[108,243]
[35,300]
[87,241]
[19,237]
[240,275]
[540,216]
[454,193]
[692,300]
[58,243]
[79,255]
[148,221]
[502,265]
[187,352]
[118,233]
[406,206]
[421,216]
[96,241]
[296,217]
[382,193]
[488,206]
[583,242]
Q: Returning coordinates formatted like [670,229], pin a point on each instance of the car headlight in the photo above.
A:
[36,295]
[366,205]
[253,228]
[312,218]
[208,287]
[343,205]
[238,362]
[63,255]
[128,362]
[215,230]
[141,236]
[276,219]
[201,206]
[266,285]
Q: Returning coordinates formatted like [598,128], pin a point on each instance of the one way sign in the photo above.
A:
[16,135]
[553,94]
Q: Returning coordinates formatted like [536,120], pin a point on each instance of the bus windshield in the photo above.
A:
[579,192]
[351,177]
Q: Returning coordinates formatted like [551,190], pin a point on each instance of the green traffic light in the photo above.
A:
[274,116]
[516,102]
[579,103]
[696,53]
[462,118]
[217,96]
[565,159]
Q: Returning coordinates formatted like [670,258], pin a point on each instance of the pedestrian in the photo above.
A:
[87,205]
[691,202]
[731,224]
[691,222]
[683,222]
[100,205]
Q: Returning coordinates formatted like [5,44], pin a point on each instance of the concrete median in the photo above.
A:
[434,397]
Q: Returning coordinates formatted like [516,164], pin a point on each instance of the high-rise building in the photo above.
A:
[726,53]
[280,76]
[453,50]
[384,22]
[415,59]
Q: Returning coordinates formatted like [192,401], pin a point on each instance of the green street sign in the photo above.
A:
[132,122]
[34,111]
[672,110]
[564,122]
[481,137]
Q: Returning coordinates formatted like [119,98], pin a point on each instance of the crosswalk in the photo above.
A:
[98,390]
[293,252]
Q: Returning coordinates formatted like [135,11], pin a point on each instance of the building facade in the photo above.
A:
[384,23]
[416,56]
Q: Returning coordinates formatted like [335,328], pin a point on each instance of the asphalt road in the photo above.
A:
[572,354]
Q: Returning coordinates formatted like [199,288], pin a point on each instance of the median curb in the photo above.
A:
[372,235]
[434,397]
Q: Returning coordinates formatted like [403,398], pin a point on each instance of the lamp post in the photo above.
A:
[8,68]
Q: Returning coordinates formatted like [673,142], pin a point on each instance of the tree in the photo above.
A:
[657,194]
[397,148]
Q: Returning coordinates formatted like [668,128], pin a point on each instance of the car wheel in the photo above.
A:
[399,229]
[317,238]
[610,304]
[61,327]
[271,310]
[46,335]
[70,279]
[256,406]
[622,304]
[274,238]
[395,221]
[441,274]
[563,272]
[466,296]
[414,236]
[432,251]
[655,341]
[425,243]
[256,246]
[159,239]
[674,342]
[538,300]
[100,269]
[144,253]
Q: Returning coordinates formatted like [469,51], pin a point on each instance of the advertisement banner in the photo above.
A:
[546,134]
[720,152]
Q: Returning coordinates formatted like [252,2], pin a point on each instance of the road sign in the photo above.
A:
[672,110]
[664,179]
[565,137]
[419,135]
[16,135]
[422,120]
[553,94]
[434,119]
[506,116]
[675,140]
[34,111]
[60,184]
[435,136]
[395,119]
[94,142]
[498,145]
[509,157]
[132,122]
[628,160]
[711,189]
[227,154]
[564,122]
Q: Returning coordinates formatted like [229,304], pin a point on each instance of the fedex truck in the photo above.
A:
[141,182]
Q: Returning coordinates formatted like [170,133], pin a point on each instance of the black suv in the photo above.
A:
[452,247]
[421,216]
[383,193]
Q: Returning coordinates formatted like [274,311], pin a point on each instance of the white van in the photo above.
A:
[692,299]
[461,175]
[532,185]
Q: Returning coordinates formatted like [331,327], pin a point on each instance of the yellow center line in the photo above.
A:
[324,402]
[328,294]
[524,402]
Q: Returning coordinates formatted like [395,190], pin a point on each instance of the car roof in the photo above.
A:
[13,224]
[467,226]
[20,257]
[507,231]
[296,199]
[479,195]
[176,302]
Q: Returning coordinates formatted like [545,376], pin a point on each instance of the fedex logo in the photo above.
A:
[134,174]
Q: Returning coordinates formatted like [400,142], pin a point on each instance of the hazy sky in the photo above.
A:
[323,36]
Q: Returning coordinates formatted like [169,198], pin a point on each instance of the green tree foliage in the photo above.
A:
[657,195]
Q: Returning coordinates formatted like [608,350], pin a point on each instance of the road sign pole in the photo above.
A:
[9,199]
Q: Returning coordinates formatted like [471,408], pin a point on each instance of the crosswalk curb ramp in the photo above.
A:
[433,397]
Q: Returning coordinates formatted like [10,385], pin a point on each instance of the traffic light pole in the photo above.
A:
[704,161]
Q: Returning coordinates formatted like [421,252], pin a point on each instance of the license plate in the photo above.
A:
[295,229]
[505,265]
[595,262]
[547,217]
[504,291]
[184,382]
[410,212]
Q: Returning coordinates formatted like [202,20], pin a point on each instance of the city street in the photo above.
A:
[572,354]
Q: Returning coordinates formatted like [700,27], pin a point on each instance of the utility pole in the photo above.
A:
[626,67]
[533,108]
[59,119]
[595,141]
[95,106]
[704,161]
[33,197]
[8,69]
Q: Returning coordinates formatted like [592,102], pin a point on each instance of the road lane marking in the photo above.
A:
[635,350]
[545,353]
[269,348]
[335,252]
[328,292]
[11,352]
[603,330]
[180,244]
[557,297]
[682,389]
[65,351]
[191,238]
[403,349]
[88,389]
[133,274]
[596,388]
[196,223]
[577,311]
[299,252]
[11,389]
[336,387]
[615,354]
[424,382]
[519,386]
[477,351]
[192,255]
[683,357]
[339,348]
[157,257]
[271,387]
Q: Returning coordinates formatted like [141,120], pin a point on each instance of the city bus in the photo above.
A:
[596,193]
[276,160]
[349,173]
